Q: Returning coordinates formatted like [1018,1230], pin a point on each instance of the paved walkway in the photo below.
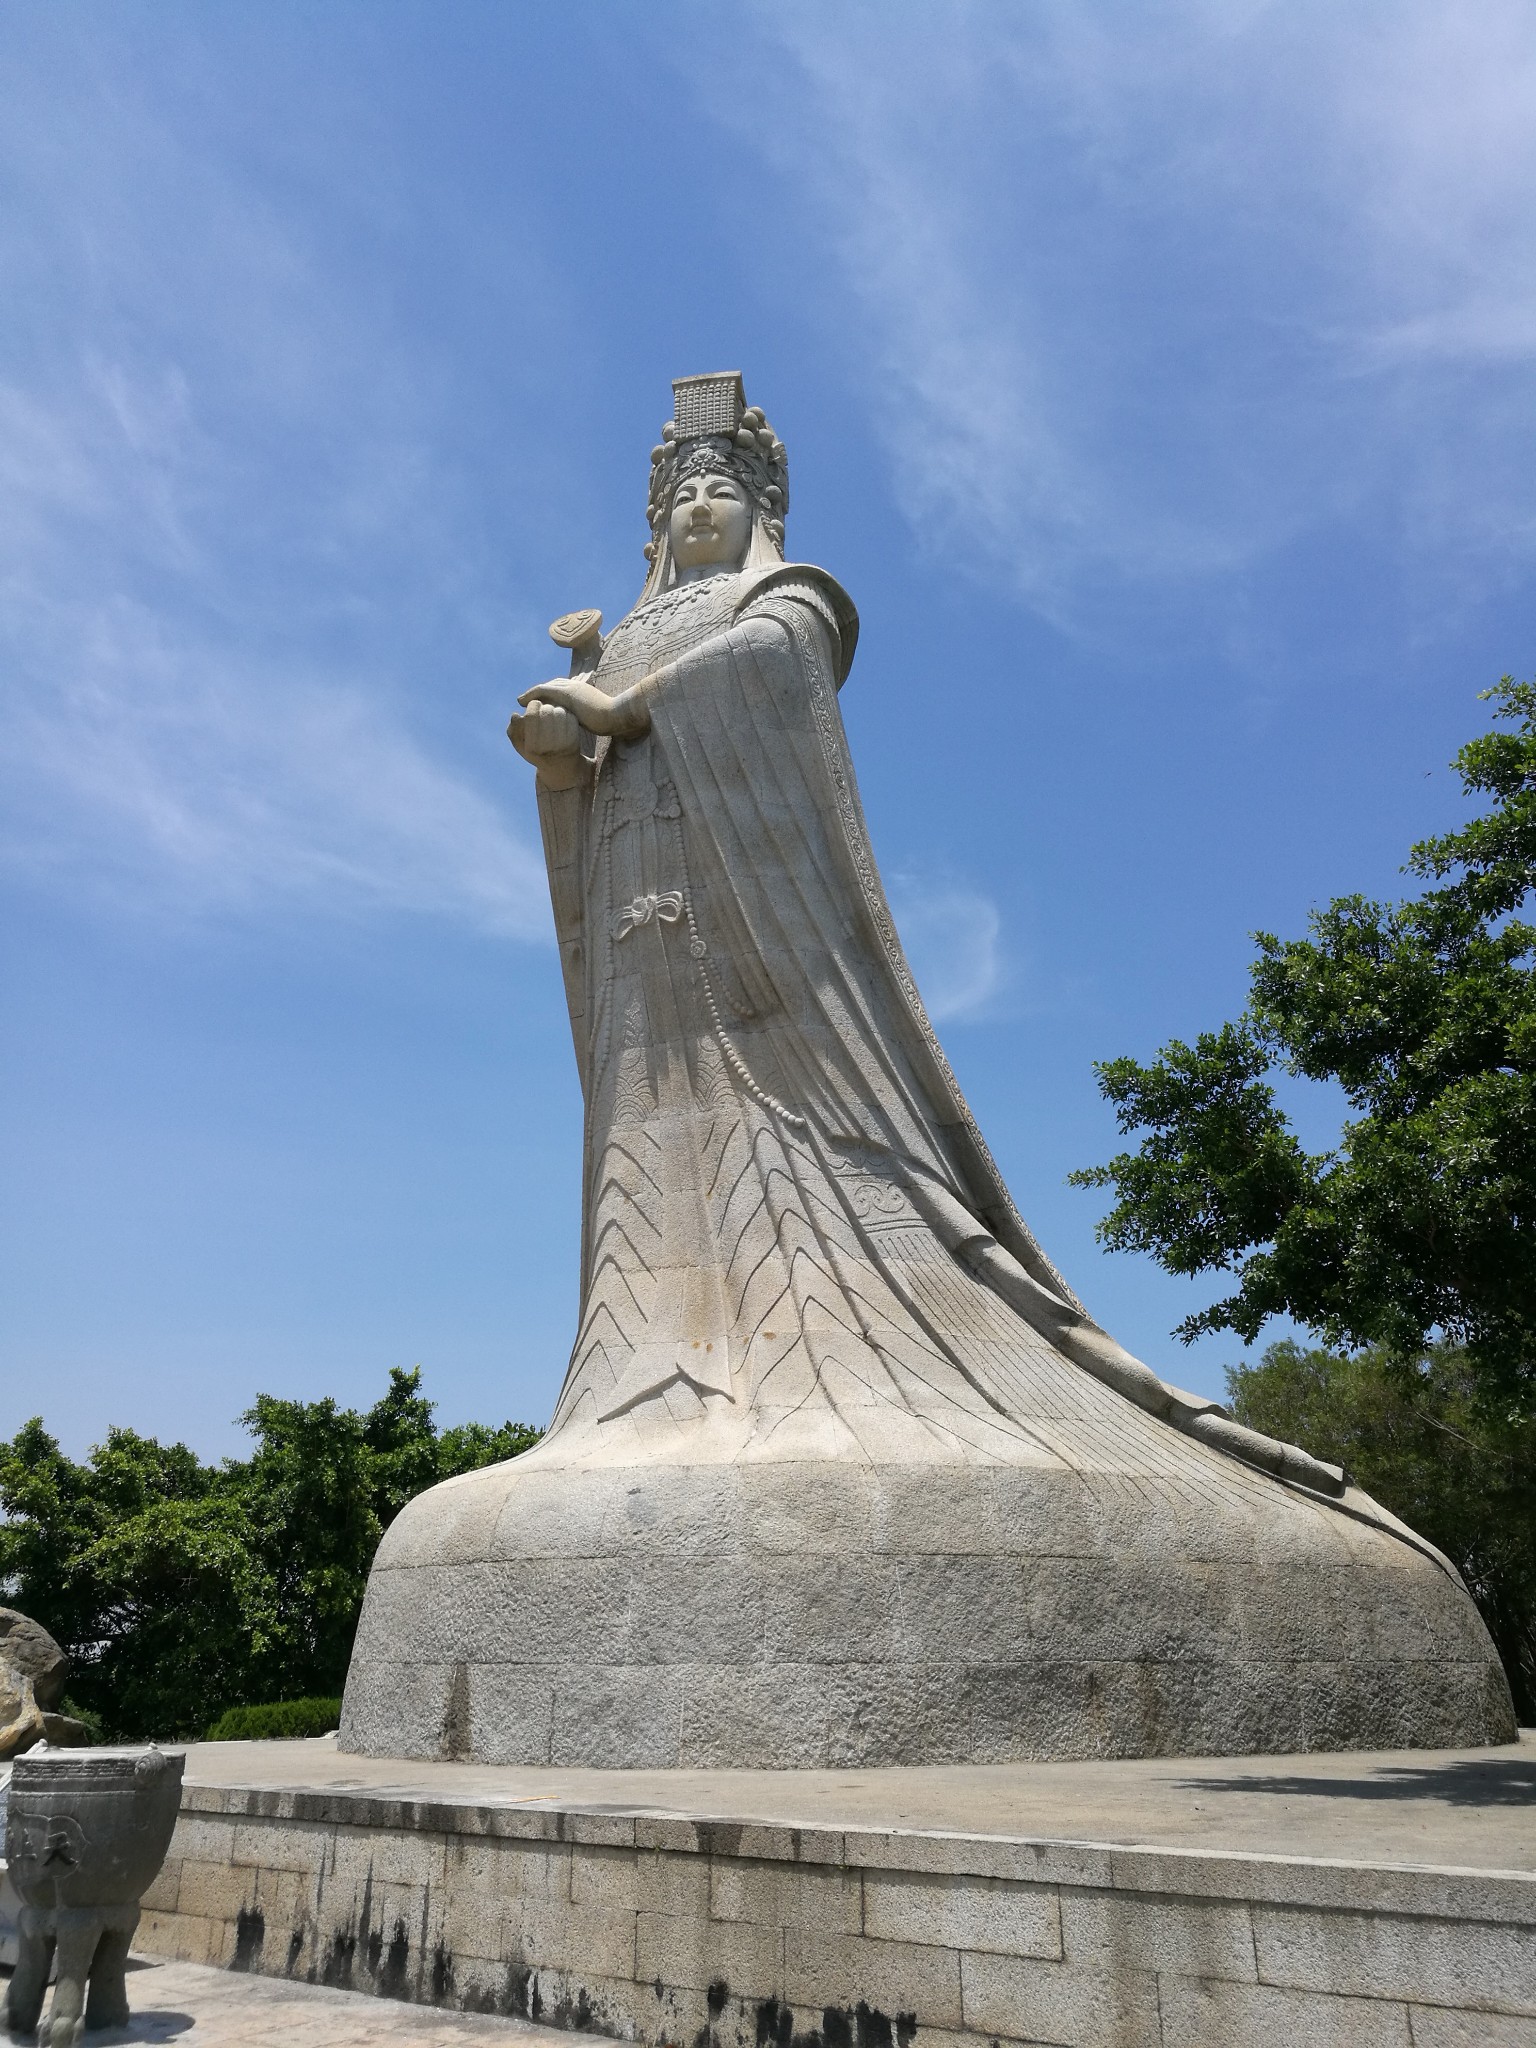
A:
[199,2008]
[1472,1809]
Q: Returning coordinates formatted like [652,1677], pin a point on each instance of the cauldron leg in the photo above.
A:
[107,2004]
[79,1930]
[24,2000]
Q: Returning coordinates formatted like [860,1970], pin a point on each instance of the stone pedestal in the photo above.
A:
[1371,1900]
[806,1614]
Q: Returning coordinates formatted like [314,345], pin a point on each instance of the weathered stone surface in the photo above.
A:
[65,1732]
[828,1896]
[658,1923]
[985,1914]
[1434,2026]
[21,1720]
[826,1969]
[860,1655]
[27,1647]
[1338,1832]
[1191,1937]
[1205,2013]
[1056,2002]
[86,1834]
[841,1472]
[32,1673]
[1372,1955]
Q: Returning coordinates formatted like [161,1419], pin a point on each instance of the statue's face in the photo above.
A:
[710,524]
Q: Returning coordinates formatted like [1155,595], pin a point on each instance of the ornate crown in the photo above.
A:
[713,428]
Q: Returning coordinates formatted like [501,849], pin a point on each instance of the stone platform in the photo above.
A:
[1362,1901]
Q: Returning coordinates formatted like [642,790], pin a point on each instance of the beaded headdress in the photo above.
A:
[713,429]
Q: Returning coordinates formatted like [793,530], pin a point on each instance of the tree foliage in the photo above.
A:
[1421,1222]
[1423,1442]
[182,1589]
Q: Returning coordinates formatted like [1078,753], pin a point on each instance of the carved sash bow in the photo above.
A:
[666,908]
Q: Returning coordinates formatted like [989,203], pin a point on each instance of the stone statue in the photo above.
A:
[842,1470]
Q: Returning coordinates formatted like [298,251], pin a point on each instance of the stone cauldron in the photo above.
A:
[86,1834]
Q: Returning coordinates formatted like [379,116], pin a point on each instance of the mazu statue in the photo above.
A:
[842,1471]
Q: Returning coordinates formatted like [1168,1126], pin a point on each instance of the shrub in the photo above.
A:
[91,1723]
[283,1721]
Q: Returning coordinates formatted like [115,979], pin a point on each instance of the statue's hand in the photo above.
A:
[625,717]
[551,739]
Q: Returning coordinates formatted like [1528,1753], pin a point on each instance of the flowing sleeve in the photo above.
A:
[565,822]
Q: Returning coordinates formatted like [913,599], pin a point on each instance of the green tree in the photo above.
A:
[1426,1446]
[1421,1222]
[136,1562]
[182,1589]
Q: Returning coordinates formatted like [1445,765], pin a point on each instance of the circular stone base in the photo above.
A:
[824,1613]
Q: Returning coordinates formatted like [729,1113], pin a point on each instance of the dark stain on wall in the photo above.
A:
[336,1964]
[847,2026]
[396,1957]
[250,1933]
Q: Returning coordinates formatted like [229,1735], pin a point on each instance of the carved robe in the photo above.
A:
[788,1210]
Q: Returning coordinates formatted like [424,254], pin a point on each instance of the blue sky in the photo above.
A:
[1161,382]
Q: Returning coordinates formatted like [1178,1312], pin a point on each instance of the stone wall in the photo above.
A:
[729,1935]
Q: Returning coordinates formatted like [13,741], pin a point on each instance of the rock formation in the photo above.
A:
[33,1671]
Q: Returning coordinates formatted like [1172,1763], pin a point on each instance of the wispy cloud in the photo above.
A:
[220,511]
[1432,115]
[952,935]
[1142,298]
[163,773]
